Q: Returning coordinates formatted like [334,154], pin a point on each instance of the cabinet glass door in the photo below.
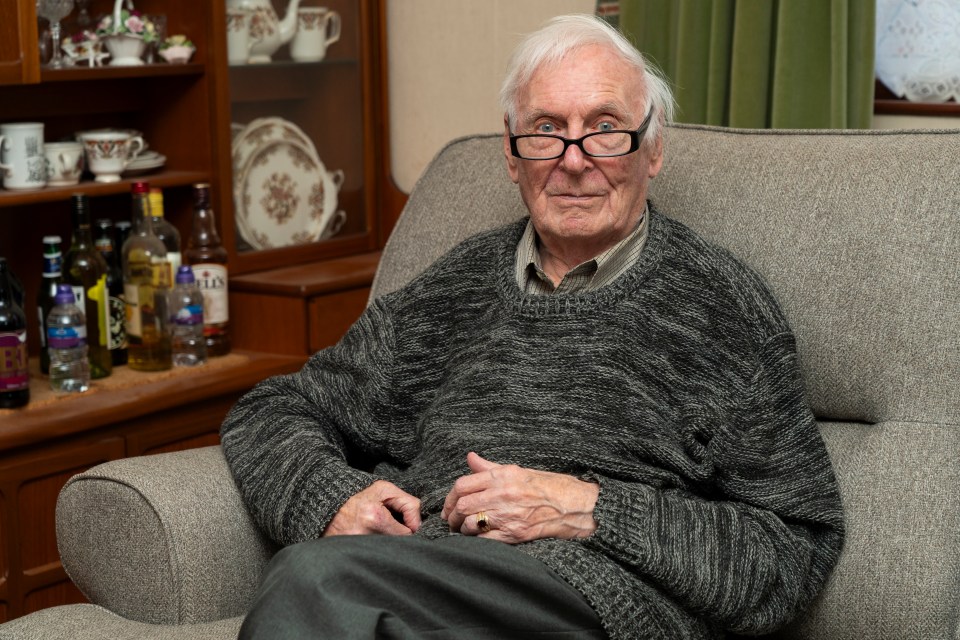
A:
[300,104]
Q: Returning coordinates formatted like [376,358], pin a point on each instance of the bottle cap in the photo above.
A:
[64,295]
[52,239]
[140,187]
[185,275]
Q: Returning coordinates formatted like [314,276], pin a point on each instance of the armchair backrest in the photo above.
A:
[858,235]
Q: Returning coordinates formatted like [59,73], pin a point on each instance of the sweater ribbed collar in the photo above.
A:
[580,302]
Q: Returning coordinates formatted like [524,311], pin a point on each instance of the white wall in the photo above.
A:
[446,59]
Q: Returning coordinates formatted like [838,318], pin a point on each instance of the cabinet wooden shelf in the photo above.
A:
[76,74]
[93,189]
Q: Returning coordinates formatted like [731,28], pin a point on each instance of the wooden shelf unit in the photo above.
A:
[185,112]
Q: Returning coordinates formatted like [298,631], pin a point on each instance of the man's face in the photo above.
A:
[576,199]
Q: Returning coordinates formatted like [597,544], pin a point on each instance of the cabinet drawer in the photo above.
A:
[331,315]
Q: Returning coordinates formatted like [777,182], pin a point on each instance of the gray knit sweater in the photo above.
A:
[676,388]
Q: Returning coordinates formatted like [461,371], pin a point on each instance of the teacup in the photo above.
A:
[317,28]
[109,153]
[64,163]
[22,164]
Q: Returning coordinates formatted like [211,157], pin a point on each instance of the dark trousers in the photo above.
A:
[406,587]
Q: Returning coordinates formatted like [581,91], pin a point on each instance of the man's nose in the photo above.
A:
[573,159]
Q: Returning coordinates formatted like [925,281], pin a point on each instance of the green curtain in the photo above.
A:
[783,64]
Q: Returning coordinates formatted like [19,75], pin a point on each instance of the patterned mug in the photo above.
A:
[22,163]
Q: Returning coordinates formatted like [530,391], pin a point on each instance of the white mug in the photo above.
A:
[109,153]
[64,163]
[238,35]
[21,155]
[317,28]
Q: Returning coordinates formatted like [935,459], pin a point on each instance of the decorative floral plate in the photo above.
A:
[284,195]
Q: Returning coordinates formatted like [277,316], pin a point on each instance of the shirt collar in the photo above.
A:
[592,274]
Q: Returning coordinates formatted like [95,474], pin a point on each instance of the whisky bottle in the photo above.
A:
[146,285]
[167,233]
[206,254]
[86,271]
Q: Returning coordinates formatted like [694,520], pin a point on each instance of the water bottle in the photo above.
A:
[67,343]
[186,320]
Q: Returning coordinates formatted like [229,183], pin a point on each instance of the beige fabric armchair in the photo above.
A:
[858,233]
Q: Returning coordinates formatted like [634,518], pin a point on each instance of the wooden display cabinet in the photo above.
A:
[185,112]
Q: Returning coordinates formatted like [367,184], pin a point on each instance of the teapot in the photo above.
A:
[267,31]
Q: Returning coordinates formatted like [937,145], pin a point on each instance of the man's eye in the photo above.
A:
[546,127]
[605,126]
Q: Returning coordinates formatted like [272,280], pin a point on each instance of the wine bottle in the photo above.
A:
[106,244]
[14,375]
[146,285]
[52,276]
[206,254]
[86,271]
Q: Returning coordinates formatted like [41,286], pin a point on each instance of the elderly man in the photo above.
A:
[586,424]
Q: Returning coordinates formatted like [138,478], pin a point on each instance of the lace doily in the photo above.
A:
[918,48]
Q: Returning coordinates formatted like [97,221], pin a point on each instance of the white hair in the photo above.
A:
[563,34]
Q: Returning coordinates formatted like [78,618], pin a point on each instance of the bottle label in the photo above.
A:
[118,318]
[131,301]
[161,272]
[212,280]
[66,337]
[14,375]
[98,293]
[189,315]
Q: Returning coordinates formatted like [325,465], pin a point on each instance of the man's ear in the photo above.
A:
[656,158]
[512,167]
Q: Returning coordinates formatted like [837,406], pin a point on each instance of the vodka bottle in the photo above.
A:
[14,376]
[145,289]
[52,276]
[207,256]
[107,246]
[186,320]
[167,233]
[67,341]
[86,270]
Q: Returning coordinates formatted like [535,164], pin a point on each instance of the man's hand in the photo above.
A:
[372,511]
[520,504]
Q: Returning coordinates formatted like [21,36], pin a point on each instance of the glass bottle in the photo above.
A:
[208,257]
[86,271]
[186,320]
[107,246]
[146,287]
[122,228]
[52,276]
[167,233]
[14,375]
[67,337]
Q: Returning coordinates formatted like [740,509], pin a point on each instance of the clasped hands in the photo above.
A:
[519,504]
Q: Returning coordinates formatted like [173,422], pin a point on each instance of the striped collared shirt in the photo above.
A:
[592,274]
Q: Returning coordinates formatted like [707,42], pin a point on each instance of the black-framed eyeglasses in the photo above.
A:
[601,144]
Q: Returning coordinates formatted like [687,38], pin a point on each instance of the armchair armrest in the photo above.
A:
[162,539]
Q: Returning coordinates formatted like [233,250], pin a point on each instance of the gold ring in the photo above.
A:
[482,523]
